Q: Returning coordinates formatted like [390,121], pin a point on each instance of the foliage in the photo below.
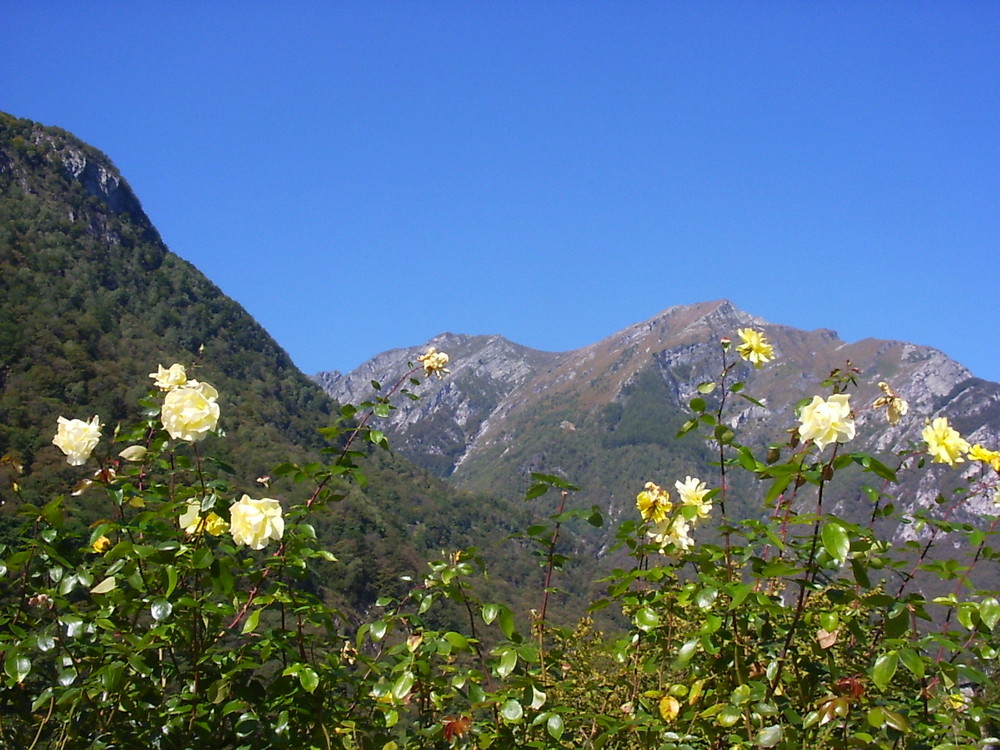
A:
[796,628]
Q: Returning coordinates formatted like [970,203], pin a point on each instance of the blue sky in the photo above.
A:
[362,176]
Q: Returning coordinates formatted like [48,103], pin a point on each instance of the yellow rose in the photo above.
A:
[254,522]
[434,362]
[167,380]
[190,412]
[77,439]
[193,523]
[944,443]
[755,348]
[653,503]
[826,422]
[101,545]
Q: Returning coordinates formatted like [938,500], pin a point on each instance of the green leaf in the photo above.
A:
[884,669]
[161,609]
[697,405]
[512,711]
[555,726]
[308,678]
[836,541]
[251,622]
[507,663]
[706,597]
[490,612]
[912,661]
[506,622]
[17,666]
[108,584]
[769,736]
[989,612]
[646,619]
[401,688]
[706,387]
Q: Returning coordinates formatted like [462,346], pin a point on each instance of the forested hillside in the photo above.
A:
[91,301]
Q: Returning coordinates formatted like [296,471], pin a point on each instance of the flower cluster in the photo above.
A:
[755,347]
[434,362]
[670,524]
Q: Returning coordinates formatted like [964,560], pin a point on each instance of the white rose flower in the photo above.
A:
[254,522]
[826,422]
[190,411]
[77,439]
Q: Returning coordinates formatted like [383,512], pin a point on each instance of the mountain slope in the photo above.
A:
[606,415]
[91,301]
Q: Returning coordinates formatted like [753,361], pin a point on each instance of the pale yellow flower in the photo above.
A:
[190,411]
[672,532]
[255,522]
[979,453]
[168,379]
[944,443]
[101,545]
[653,503]
[754,348]
[193,522]
[828,421]
[692,493]
[895,407]
[434,362]
[670,707]
[77,439]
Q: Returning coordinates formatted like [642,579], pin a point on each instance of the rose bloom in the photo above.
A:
[895,407]
[101,545]
[653,503]
[193,523]
[692,493]
[77,439]
[190,412]
[944,443]
[979,453]
[675,531]
[167,380]
[826,422]
[754,348]
[434,362]
[253,522]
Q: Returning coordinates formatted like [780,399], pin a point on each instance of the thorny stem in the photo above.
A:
[540,622]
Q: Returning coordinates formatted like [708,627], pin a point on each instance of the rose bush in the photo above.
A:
[791,628]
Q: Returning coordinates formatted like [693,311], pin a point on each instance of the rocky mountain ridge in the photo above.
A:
[508,410]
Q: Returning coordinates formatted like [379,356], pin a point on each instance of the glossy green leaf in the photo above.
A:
[835,541]
[884,669]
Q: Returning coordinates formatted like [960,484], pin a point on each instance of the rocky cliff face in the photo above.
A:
[605,415]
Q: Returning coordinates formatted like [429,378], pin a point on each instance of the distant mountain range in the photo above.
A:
[91,301]
[605,416]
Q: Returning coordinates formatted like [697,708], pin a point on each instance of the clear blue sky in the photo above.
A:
[362,176]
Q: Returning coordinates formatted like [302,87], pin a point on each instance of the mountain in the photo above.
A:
[605,416]
[91,301]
